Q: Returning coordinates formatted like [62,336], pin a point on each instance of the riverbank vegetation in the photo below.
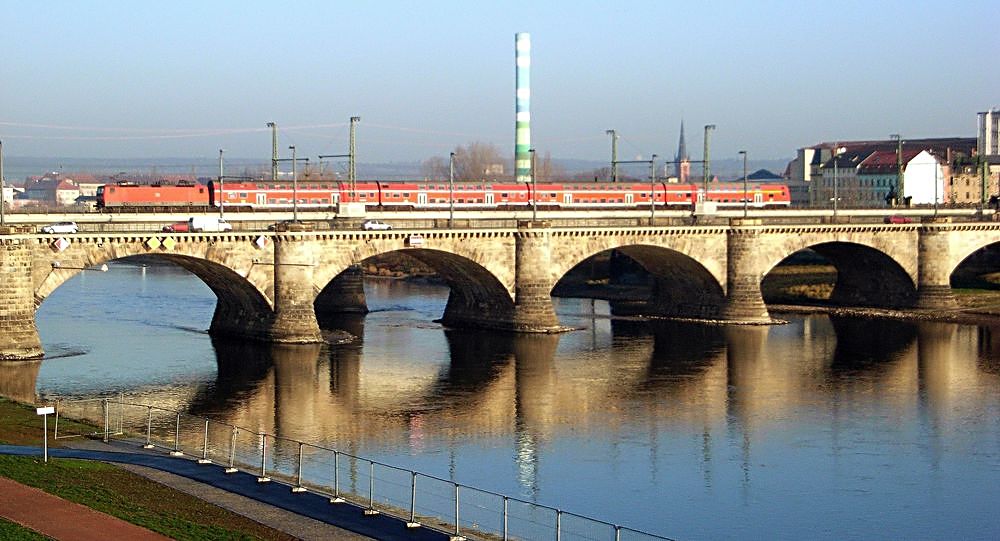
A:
[115,491]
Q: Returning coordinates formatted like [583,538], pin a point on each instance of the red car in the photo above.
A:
[179,227]
[897,220]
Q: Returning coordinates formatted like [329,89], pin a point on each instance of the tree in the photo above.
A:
[545,169]
[478,161]
[434,168]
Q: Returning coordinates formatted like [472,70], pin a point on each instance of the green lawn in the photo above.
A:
[114,491]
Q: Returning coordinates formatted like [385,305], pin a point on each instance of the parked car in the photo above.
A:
[179,227]
[897,220]
[211,224]
[376,225]
[60,228]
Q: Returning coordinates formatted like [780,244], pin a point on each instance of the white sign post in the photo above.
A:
[45,412]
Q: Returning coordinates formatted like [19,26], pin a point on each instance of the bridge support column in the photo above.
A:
[18,334]
[533,282]
[933,266]
[294,319]
[744,302]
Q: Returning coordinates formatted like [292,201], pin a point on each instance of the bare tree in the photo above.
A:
[545,169]
[478,161]
[434,168]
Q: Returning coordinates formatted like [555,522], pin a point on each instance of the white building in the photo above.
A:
[924,179]
[989,133]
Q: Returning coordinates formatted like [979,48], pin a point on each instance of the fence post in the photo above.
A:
[149,428]
[458,533]
[413,501]
[105,403]
[204,447]
[505,502]
[298,481]
[263,460]
[177,436]
[55,434]
[232,452]
[371,489]
[336,479]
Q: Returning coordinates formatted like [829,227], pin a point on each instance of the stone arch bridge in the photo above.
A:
[268,283]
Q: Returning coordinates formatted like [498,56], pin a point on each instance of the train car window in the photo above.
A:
[201,190]
[604,200]
[371,194]
[503,195]
[112,189]
[272,201]
[406,194]
[243,194]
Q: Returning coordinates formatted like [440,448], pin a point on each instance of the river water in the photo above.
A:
[824,428]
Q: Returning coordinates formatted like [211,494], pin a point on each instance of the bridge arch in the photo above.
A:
[872,270]
[243,290]
[481,287]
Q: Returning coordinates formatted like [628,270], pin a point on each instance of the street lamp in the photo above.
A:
[2,184]
[451,189]
[295,189]
[746,195]
[534,188]
[222,197]
[837,151]
[899,165]
[652,189]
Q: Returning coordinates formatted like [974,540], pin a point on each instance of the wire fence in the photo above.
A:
[419,499]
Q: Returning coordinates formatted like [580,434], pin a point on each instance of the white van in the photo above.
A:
[209,224]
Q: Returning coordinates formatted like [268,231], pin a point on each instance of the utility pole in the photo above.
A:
[274,150]
[707,165]
[614,154]
[295,189]
[652,189]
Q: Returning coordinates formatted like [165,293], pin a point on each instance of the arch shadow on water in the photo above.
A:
[868,344]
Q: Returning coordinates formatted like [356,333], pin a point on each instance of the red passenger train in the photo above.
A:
[431,195]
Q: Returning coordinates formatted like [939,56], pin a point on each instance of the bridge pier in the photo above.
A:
[19,337]
[933,265]
[744,301]
[294,319]
[533,283]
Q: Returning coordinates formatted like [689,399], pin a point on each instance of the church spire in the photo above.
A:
[682,161]
[682,152]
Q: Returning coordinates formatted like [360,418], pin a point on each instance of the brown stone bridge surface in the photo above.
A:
[270,286]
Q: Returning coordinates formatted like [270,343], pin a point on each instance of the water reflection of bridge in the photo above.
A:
[735,382]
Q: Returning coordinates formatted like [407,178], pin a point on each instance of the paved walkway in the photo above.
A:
[304,515]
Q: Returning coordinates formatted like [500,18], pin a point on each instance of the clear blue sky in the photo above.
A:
[183,79]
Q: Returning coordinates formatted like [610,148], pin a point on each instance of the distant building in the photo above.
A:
[52,189]
[989,133]
[866,173]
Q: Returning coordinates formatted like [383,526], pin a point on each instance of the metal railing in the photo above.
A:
[421,500]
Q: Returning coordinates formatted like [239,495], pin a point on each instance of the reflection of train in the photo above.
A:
[428,195]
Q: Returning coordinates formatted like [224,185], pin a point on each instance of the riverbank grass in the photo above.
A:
[117,492]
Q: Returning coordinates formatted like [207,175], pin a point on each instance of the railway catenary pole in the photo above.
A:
[652,189]
[351,155]
[614,154]
[274,150]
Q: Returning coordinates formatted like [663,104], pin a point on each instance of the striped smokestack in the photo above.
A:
[522,125]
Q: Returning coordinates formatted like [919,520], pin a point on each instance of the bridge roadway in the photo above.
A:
[270,286]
